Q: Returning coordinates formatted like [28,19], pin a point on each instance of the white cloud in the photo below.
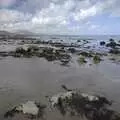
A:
[8,16]
[56,15]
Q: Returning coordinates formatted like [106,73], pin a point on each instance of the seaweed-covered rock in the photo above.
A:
[93,107]
[82,60]
[96,59]
[112,44]
[32,48]
[30,109]
[48,53]
[20,50]
[86,54]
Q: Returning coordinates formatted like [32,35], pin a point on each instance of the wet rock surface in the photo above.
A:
[102,43]
[92,107]
[30,110]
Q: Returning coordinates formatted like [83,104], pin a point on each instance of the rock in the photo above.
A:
[32,48]
[48,53]
[102,43]
[86,54]
[20,50]
[82,60]
[96,59]
[78,41]
[50,42]
[72,50]
[61,50]
[65,88]
[93,107]
[114,51]
[30,108]
[64,62]
[111,40]
[112,44]
[61,40]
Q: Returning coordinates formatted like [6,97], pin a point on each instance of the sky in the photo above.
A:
[61,16]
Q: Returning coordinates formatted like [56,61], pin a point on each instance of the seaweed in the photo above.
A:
[82,60]
[96,59]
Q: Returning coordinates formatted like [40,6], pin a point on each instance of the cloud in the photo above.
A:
[53,16]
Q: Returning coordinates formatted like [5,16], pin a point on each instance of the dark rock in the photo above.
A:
[61,40]
[11,113]
[58,51]
[65,88]
[118,45]
[72,50]
[114,51]
[64,62]
[102,43]
[78,41]
[111,40]
[20,50]
[112,44]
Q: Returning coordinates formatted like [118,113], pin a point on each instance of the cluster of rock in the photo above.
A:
[48,53]
[96,57]
[61,51]
[115,47]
